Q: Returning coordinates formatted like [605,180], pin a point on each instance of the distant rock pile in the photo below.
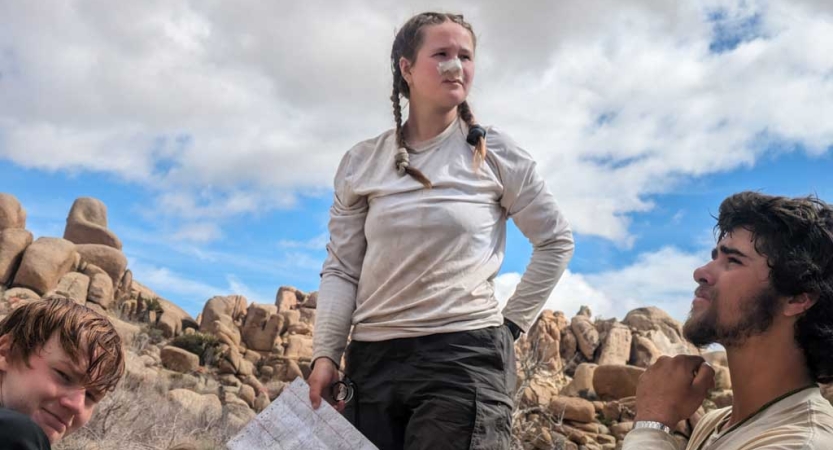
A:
[86,265]
[236,357]
[577,377]
[232,360]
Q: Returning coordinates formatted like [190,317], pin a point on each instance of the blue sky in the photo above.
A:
[212,134]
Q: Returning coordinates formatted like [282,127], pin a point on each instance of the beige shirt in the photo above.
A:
[801,421]
[405,261]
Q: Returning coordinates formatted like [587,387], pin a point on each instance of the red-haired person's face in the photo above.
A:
[50,389]
[428,87]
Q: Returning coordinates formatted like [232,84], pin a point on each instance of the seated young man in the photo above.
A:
[58,359]
[767,297]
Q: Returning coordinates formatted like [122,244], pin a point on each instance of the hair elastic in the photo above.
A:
[475,133]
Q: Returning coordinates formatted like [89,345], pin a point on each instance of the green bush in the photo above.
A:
[201,344]
[153,304]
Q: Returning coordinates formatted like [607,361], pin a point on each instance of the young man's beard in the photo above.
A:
[758,313]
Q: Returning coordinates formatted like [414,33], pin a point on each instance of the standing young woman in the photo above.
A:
[417,236]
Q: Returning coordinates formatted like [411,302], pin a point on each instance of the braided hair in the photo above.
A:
[406,44]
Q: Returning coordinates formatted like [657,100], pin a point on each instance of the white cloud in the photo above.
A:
[167,283]
[301,261]
[662,278]
[235,109]
[317,243]
[570,294]
[189,293]
[240,288]
[199,232]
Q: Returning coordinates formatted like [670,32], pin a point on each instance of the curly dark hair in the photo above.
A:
[796,236]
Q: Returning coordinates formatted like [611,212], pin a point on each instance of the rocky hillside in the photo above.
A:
[205,377]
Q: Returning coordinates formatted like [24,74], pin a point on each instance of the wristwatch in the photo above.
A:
[652,425]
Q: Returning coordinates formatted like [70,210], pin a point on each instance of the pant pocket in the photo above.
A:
[492,422]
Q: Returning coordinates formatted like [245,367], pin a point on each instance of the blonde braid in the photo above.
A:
[476,136]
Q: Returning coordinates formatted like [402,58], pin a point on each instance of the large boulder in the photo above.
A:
[73,286]
[228,309]
[289,298]
[582,382]
[572,408]
[87,224]
[20,295]
[299,347]
[123,289]
[616,381]
[172,319]
[616,348]
[100,290]
[179,360]
[569,344]
[261,402]
[307,315]
[109,259]
[291,319]
[247,368]
[127,331]
[293,371]
[262,329]
[205,405]
[11,299]
[545,336]
[312,300]
[44,262]
[229,335]
[13,243]
[621,429]
[137,372]
[168,325]
[643,352]
[665,332]
[12,214]
[539,391]
[231,360]
[586,334]
[247,394]
[239,413]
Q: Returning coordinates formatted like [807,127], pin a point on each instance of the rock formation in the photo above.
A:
[577,377]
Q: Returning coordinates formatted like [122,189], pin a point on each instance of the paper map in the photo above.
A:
[290,423]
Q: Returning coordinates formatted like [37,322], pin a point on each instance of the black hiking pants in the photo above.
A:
[442,391]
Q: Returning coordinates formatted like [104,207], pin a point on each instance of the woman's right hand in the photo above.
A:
[324,375]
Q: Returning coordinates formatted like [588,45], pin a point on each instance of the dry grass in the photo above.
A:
[139,416]
[531,365]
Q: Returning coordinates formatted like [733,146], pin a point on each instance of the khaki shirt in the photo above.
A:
[801,421]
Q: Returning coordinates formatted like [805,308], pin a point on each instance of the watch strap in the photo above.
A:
[652,425]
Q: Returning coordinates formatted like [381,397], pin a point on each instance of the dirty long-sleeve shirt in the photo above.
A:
[405,261]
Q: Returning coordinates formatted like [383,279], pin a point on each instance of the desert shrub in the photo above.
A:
[203,345]
[153,304]
[139,416]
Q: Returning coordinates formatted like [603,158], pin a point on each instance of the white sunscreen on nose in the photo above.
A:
[452,68]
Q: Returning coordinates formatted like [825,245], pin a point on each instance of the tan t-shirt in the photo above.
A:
[405,261]
[803,421]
